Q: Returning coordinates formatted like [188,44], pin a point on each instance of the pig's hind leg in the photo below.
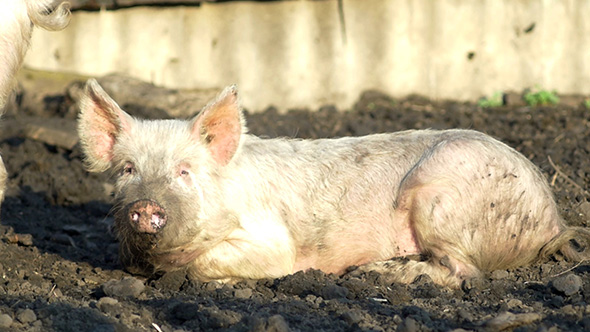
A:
[473,205]
[441,258]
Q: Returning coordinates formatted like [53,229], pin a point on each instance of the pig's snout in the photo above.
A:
[147,216]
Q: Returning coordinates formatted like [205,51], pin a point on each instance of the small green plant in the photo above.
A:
[496,100]
[539,96]
[587,103]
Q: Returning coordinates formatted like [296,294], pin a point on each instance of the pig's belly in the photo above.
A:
[358,244]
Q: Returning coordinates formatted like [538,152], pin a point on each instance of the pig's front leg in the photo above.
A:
[3,178]
[253,250]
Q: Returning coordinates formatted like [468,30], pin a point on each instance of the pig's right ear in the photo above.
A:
[100,122]
[220,125]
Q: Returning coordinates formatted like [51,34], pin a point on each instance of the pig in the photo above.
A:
[17,18]
[204,196]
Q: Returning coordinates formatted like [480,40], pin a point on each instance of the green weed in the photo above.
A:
[496,100]
[541,97]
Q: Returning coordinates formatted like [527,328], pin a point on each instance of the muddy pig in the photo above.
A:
[205,196]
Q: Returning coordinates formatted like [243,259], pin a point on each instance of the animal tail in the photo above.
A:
[17,20]
[573,243]
[49,14]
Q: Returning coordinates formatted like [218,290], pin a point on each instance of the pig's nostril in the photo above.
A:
[158,220]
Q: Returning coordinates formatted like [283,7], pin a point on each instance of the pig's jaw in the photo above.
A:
[175,260]
[160,256]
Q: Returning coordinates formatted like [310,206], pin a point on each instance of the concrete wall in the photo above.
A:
[297,53]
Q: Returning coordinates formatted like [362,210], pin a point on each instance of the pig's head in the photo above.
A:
[168,175]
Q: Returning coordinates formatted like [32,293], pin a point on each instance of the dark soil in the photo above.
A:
[58,259]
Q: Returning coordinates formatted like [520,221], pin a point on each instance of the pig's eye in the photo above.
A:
[183,169]
[128,169]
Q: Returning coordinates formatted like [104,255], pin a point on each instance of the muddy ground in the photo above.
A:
[58,259]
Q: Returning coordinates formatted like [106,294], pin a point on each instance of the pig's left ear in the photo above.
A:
[220,126]
[100,124]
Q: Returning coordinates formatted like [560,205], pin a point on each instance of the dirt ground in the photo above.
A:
[58,259]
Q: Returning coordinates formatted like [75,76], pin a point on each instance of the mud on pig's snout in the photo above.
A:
[146,216]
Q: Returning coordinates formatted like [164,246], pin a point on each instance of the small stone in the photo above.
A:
[311,298]
[171,280]
[107,300]
[568,284]
[352,317]
[474,284]
[5,321]
[500,274]
[22,239]
[537,306]
[245,293]
[584,209]
[514,303]
[26,316]
[277,323]
[331,292]
[212,286]
[555,302]
[106,303]
[186,311]
[216,319]
[569,310]
[126,287]
[465,315]
[256,324]
[508,320]
[408,325]
[25,240]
